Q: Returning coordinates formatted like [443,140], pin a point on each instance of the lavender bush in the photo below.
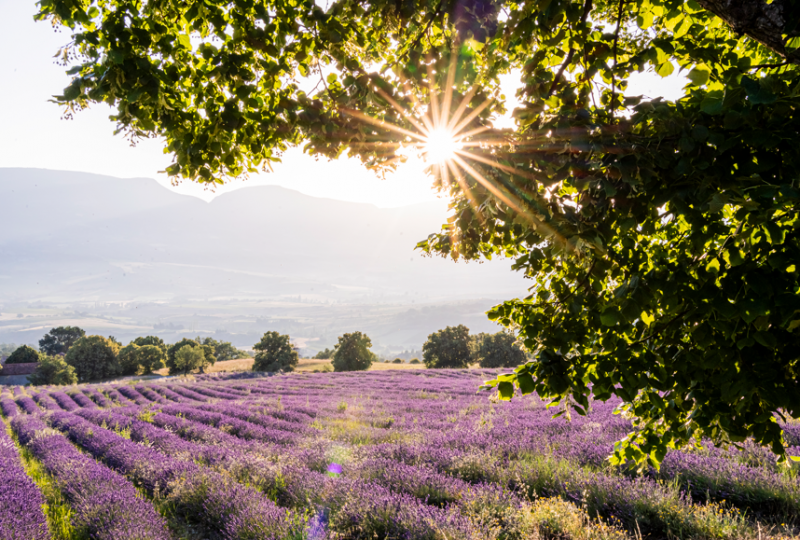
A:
[411,455]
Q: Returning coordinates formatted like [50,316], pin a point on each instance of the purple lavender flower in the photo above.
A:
[334,470]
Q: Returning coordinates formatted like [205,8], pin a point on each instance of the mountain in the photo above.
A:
[72,238]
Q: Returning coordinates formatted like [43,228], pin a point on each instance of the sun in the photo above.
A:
[440,146]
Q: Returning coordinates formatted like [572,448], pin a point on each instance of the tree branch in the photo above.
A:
[587,7]
[761,20]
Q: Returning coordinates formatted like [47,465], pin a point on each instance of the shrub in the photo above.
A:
[414,361]
[397,361]
[353,353]
[208,360]
[94,357]
[500,350]
[60,339]
[275,353]
[448,348]
[53,370]
[23,355]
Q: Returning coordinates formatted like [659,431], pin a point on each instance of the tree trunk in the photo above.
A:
[768,23]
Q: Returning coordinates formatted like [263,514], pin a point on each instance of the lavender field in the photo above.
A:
[396,455]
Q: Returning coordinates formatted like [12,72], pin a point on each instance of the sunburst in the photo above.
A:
[443,137]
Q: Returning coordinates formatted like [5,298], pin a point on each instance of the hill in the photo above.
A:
[94,243]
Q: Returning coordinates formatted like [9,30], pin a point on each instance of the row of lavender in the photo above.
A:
[422,457]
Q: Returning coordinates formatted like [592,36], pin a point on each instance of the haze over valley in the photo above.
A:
[128,257]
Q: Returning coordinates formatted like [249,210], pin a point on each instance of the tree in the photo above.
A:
[324,354]
[59,340]
[150,358]
[93,358]
[223,350]
[353,353]
[448,348]
[662,236]
[208,351]
[189,358]
[150,340]
[146,358]
[275,353]
[500,350]
[23,355]
[128,359]
[53,370]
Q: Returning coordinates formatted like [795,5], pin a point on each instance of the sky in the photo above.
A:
[33,134]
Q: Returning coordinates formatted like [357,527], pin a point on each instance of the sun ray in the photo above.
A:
[423,117]
[434,106]
[404,112]
[498,165]
[462,106]
[448,91]
[387,125]
[475,112]
[508,199]
[460,180]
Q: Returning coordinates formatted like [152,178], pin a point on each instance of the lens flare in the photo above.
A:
[441,145]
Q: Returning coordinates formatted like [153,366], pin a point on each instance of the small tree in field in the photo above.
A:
[500,350]
[53,370]
[275,353]
[353,353]
[150,358]
[60,339]
[23,355]
[146,358]
[208,351]
[448,348]
[189,358]
[94,357]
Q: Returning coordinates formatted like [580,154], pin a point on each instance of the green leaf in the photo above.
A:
[185,41]
[505,390]
[526,384]
[698,76]
[665,69]
[609,318]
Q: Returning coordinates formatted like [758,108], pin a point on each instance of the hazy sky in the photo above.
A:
[33,134]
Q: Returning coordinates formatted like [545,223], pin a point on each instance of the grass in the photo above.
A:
[305,365]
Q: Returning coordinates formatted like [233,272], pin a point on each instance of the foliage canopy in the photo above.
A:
[499,350]
[663,236]
[93,358]
[353,353]
[189,358]
[156,341]
[53,370]
[448,348]
[23,355]
[275,353]
[59,340]
[184,366]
